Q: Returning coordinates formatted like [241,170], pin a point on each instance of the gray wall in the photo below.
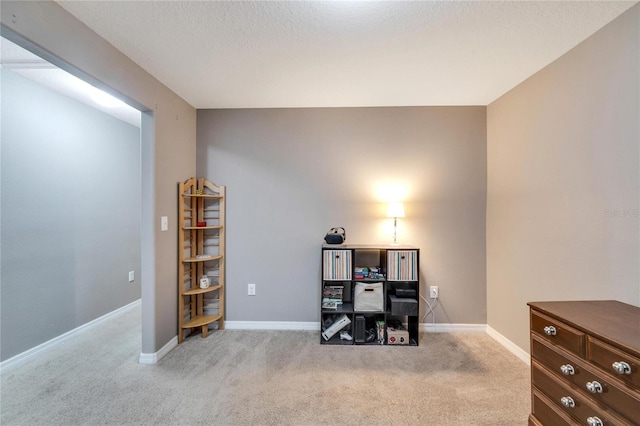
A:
[292,174]
[562,182]
[168,142]
[70,214]
[563,178]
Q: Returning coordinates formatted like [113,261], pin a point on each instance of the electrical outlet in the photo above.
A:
[251,290]
[132,276]
[433,292]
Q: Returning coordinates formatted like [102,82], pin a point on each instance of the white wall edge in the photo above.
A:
[25,356]
[153,358]
[453,328]
[509,345]
[271,325]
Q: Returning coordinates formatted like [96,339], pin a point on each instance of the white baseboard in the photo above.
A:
[453,328]
[509,345]
[271,325]
[153,358]
[315,326]
[480,328]
[25,356]
[156,356]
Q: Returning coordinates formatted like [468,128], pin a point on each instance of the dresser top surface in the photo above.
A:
[610,320]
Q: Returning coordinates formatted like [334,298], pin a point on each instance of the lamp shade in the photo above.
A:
[395,210]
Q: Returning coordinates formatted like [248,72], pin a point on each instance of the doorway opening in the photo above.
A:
[72,204]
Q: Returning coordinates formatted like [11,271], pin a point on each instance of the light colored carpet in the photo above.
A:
[267,378]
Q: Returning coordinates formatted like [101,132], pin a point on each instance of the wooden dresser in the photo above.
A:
[585,363]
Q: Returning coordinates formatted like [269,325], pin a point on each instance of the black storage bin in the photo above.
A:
[403,306]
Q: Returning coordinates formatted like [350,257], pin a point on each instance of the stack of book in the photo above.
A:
[332,296]
[370,273]
[360,272]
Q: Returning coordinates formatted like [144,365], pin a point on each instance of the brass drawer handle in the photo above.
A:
[567,401]
[594,387]
[621,367]
[550,330]
[567,369]
[594,421]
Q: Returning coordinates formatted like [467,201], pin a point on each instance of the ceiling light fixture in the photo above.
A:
[105,99]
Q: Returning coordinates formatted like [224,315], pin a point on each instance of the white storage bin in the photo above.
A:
[368,297]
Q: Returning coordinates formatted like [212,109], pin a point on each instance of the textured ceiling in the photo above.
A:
[343,53]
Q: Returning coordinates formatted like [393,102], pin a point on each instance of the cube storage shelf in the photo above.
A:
[201,252]
[371,293]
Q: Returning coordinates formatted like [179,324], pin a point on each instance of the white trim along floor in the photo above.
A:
[153,358]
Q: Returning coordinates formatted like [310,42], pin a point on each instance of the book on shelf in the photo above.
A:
[333,291]
[368,273]
[330,304]
[332,296]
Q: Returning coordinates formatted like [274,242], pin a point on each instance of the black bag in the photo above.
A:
[335,236]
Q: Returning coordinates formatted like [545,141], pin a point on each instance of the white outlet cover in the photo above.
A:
[433,292]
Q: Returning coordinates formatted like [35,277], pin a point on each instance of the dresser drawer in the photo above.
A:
[605,355]
[555,360]
[544,412]
[568,399]
[558,332]
[588,350]
[623,400]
